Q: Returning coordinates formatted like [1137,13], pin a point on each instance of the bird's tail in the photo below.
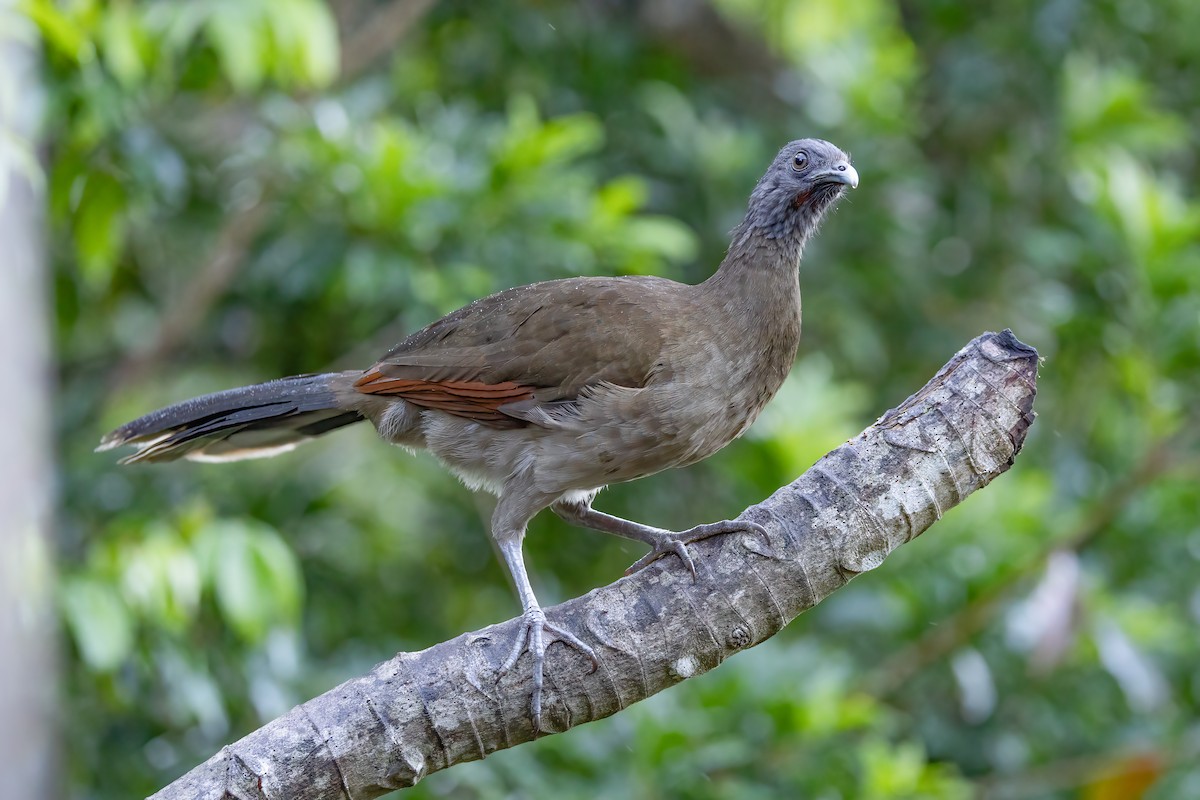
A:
[249,422]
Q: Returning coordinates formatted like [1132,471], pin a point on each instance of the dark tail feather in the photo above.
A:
[250,422]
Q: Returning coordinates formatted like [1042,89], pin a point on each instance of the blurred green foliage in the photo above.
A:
[243,189]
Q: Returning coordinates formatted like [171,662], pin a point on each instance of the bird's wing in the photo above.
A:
[515,358]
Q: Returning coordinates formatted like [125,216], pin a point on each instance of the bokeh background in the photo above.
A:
[242,189]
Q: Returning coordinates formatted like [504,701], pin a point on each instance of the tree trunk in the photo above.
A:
[27,629]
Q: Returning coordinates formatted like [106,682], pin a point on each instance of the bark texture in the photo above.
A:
[421,712]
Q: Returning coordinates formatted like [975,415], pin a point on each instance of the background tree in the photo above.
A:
[239,190]
[28,690]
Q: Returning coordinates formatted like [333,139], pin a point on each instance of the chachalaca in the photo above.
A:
[543,394]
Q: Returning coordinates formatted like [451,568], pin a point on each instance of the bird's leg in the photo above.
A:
[662,542]
[537,633]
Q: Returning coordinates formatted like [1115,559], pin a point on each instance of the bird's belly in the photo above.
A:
[648,431]
[480,456]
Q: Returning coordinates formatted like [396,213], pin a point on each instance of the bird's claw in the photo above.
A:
[668,544]
[532,638]
[677,543]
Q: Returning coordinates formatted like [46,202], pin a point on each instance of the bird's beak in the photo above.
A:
[841,172]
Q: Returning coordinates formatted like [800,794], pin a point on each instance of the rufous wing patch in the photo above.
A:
[468,399]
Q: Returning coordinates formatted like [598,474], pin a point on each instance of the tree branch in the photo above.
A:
[422,712]
[380,34]
[699,34]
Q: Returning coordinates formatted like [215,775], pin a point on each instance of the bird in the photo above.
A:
[544,394]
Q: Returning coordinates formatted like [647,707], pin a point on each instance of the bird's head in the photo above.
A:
[805,180]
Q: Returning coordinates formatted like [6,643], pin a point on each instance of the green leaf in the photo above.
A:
[255,575]
[622,196]
[99,622]
[529,143]
[122,40]
[237,33]
[664,236]
[1106,107]
[305,37]
[61,31]
[162,579]
[100,227]
[891,771]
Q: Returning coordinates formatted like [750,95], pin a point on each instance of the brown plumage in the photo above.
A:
[545,393]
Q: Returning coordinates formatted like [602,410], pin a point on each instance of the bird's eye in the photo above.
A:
[800,160]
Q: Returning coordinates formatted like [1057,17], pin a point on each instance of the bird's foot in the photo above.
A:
[533,637]
[669,542]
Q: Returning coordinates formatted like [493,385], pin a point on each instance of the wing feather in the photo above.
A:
[500,358]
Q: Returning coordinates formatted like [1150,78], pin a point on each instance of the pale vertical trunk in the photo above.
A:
[27,630]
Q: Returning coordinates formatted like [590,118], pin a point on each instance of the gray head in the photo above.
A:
[804,180]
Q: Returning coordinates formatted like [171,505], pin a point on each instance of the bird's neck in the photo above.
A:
[751,311]
[760,264]
[754,296]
